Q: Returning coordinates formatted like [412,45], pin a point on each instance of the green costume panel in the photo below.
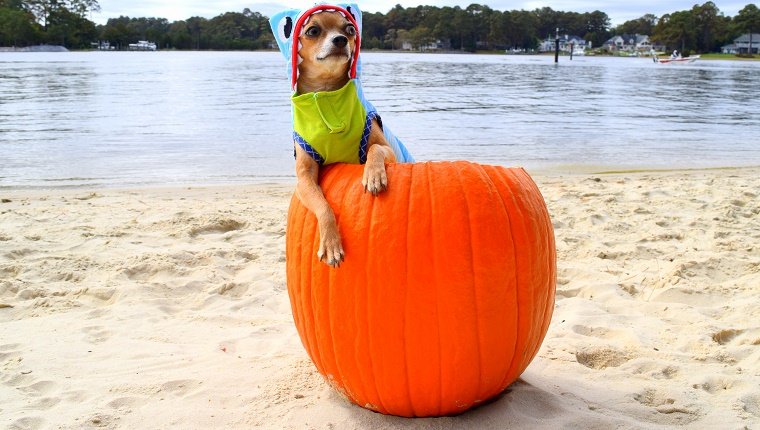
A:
[332,125]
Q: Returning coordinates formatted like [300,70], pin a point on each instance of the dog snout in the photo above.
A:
[340,41]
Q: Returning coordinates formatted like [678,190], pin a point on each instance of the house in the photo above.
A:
[629,43]
[742,44]
[437,45]
[566,44]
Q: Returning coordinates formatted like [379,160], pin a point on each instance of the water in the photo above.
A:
[170,118]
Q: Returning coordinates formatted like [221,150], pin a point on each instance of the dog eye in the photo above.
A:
[313,31]
[350,30]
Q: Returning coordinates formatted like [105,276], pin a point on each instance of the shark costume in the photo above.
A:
[331,126]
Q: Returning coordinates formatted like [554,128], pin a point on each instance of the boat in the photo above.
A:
[142,45]
[675,59]
[678,60]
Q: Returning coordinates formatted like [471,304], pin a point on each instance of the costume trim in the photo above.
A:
[308,148]
[364,144]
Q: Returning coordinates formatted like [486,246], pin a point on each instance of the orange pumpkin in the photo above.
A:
[446,292]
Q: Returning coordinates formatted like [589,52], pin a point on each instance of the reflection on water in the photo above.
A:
[121,119]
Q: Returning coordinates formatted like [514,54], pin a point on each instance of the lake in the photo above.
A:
[122,119]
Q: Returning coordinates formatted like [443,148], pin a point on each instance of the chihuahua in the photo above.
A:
[332,121]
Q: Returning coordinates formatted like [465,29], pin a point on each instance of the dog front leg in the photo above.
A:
[308,191]
[379,152]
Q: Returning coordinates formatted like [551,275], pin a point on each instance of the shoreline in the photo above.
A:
[557,171]
[168,307]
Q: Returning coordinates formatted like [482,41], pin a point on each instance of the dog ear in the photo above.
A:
[282,25]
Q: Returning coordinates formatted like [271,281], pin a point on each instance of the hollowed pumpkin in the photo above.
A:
[446,292]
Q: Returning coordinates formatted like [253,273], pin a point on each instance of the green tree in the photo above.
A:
[748,20]
[232,30]
[643,25]
[676,30]
[119,32]
[391,38]
[11,4]
[197,27]
[597,27]
[17,27]
[43,9]
[69,29]
[711,27]
[420,37]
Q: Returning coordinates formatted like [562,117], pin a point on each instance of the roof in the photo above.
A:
[627,38]
[744,38]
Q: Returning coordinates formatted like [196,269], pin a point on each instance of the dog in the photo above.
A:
[331,119]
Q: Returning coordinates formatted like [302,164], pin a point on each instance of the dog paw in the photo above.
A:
[331,249]
[375,179]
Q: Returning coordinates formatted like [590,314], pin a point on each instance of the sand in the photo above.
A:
[168,308]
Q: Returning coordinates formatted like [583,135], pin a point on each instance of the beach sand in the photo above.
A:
[168,308]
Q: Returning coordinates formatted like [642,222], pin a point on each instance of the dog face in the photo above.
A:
[328,41]
[288,28]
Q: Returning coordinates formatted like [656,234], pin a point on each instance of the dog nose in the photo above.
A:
[340,41]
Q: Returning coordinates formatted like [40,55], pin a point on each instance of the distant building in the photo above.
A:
[142,45]
[102,46]
[629,43]
[566,44]
[437,45]
[742,44]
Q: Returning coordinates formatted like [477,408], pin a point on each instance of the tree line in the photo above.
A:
[703,28]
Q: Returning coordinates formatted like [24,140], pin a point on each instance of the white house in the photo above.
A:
[438,45]
[566,44]
[742,44]
[629,43]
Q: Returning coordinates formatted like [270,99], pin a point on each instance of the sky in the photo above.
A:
[174,10]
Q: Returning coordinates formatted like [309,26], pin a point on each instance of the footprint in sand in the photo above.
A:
[127,404]
[718,384]
[230,289]
[724,337]
[751,404]
[224,225]
[11,365]
[602,358]
[38,389]
[96,334]
[181,387]
[669,408]
[28,423]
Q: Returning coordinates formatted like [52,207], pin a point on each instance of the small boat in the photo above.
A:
[678,60]
[674,59]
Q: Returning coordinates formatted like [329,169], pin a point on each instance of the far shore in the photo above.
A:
[58,48]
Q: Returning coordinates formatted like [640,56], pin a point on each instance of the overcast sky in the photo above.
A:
[174,10]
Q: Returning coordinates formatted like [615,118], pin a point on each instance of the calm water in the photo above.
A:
[168,118]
